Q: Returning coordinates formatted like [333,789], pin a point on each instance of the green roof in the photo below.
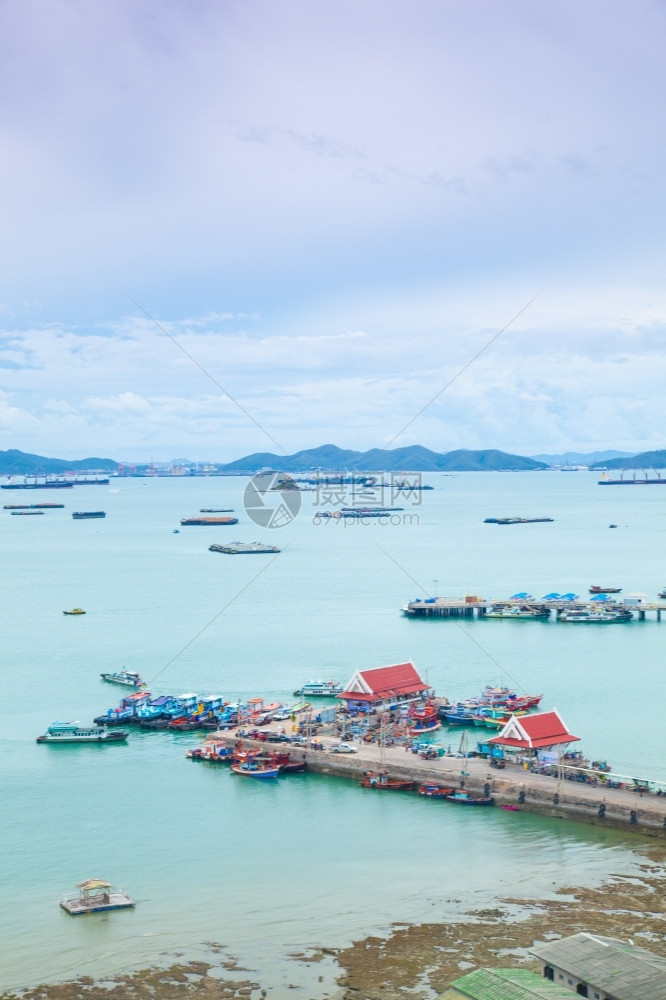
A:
[618,968]
[505,984]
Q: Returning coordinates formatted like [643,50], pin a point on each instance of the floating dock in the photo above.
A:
[95,895]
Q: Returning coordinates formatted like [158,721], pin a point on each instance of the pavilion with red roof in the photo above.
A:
[543,731]
[383,688]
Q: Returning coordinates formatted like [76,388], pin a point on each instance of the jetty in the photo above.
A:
[630,809]
[544,608]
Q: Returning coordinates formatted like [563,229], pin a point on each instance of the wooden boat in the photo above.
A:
[74,611]
[605,590]
[253,768]
[214,753]
[379,779]
[433,790]
[94,896]
[423,718]
[463,797]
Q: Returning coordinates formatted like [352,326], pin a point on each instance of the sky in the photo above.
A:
[232,226]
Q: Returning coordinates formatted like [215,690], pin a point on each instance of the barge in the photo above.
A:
[187,521]
[81,515]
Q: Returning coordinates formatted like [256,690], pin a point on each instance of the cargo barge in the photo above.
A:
[208,520]
[81,515]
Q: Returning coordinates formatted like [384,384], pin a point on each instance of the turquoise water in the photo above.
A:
[269,871]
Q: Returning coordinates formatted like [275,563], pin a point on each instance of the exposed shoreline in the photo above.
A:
[422,958]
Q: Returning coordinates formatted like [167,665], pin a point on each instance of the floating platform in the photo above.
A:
[243,548]
[96,896]
[208,520]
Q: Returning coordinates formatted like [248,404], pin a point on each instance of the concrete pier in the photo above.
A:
[471,607]
[619,808]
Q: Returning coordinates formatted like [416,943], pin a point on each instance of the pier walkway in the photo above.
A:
[619,808]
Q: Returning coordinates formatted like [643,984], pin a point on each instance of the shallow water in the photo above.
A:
[308,861]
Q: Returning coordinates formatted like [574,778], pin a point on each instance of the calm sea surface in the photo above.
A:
[269,871]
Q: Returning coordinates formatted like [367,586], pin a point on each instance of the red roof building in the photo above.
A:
[383,687]
[534,732]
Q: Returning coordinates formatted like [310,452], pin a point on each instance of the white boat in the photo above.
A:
[319,689]
[129,678]
[587,617]
[74,732]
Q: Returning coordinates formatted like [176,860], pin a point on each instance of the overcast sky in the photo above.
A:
[330,208]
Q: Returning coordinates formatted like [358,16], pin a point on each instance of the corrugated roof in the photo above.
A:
[622,970]
[505,984]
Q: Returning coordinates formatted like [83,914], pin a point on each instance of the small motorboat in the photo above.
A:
[510,808]
[74,611]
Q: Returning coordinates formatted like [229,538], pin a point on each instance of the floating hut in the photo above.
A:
[94,896]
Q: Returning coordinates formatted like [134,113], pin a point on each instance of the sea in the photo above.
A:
[269,871]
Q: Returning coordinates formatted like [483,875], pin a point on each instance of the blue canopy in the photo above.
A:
[521,597]
[568,597]
[600,597]
[551,597]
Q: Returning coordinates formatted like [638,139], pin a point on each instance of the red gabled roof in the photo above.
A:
[384,682]
[534,731]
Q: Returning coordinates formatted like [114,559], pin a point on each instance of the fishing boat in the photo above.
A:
[433,790]
[74,732]
[379,779]
[463,797]
[253,768]
[74,611]
[423,718]
[605,590]
[214,753]
[94,896]
[129,678]
[662,593]
[319,689]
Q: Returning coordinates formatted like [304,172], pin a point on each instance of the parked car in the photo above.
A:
[343,748]
[277,738]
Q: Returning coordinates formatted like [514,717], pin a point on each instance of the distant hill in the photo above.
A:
[582,458]
[19,463]
[414,458]
[646,460]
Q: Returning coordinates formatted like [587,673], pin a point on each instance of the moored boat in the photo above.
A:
[74,732]
[253,768]
[129,678]
[604,615]
[604,590]
[463,797]
[380,779]
[433,790]
[81,515]
[208,520]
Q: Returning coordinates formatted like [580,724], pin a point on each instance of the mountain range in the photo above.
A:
[414,458]
[330,458]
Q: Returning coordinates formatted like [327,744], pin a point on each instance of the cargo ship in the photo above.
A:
[208,520]
[80,515]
